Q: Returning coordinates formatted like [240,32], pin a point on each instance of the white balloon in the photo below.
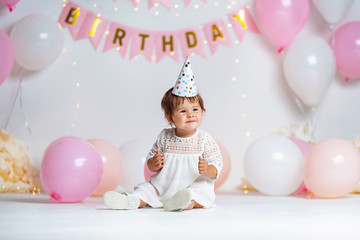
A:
[134,155]
[333,10]
[274,165]
[37,40]
[309,67]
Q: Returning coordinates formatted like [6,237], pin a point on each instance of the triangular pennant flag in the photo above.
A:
[166,3]
[191,42]
[187,2]
[166,45]
[93,27]
[72,17]
[216,34]
[242,21]
[135,2]
[118,37]
[142,42]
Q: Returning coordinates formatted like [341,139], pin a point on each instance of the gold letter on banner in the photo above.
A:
[73,13]
[95,25]
[216,32]
[143,36]
[166,43]
[116,37]
[194,44]
[241,18]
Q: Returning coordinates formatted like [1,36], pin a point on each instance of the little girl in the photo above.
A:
[186,160]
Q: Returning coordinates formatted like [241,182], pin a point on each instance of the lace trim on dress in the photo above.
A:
[200,143]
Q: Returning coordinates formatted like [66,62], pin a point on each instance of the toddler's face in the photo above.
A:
[187,117]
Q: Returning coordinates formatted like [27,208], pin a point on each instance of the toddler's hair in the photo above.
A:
[170,101]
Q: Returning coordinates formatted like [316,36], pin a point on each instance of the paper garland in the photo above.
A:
[84,23]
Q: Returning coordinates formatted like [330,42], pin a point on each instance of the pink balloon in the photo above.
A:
[305,149]
[71,169]
[282,20]
[147,172]
[10,3]
[347,49]
[226,166]
[112,165]
[7,56]
[332,168]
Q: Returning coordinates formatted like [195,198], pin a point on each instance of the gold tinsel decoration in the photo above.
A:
[16,169]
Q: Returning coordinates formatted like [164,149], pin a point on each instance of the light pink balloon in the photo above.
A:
[71,169]
[112,165]
[10,3]
[282,20]
[347,49]
[332,168]
[305,149]
[226,166]
[7,56]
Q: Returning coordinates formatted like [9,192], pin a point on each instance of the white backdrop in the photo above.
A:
[119,99]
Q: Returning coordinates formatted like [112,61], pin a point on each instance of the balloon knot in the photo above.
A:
[280,49]
[54,196]
[10,8]
[347,79]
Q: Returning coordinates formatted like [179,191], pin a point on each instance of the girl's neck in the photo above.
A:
[184,134]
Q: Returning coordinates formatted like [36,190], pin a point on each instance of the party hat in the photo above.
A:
[185,85]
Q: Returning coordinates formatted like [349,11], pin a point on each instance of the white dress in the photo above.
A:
[180,169]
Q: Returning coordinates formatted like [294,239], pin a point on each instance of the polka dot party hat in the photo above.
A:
[185,85]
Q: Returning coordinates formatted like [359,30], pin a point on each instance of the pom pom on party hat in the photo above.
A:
[185,85]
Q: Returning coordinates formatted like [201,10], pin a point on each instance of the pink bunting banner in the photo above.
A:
[154,45]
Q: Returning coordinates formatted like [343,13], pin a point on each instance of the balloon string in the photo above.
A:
[19,95]
[309,117]
[13,105]
[331,28]
[299,104]
[313,122]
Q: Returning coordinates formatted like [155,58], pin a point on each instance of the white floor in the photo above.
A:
[236,216]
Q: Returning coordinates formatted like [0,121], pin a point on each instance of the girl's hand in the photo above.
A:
[203,167]
[156,163]
[207,170]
